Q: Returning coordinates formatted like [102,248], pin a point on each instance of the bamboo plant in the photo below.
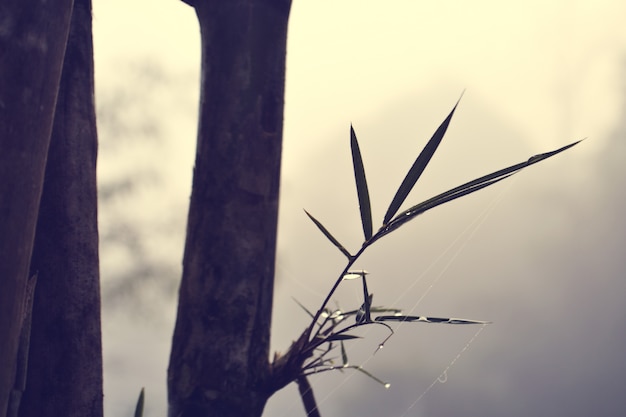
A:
[331,329]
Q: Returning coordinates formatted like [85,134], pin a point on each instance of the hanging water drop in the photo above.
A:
[387,385]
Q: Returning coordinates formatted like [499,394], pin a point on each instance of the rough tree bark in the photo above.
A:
[33,35]
[219,359]
[65,363]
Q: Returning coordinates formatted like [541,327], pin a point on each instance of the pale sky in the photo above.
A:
[536,75]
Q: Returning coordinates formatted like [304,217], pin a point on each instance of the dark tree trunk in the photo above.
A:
[32,45]
[65,362]
[219,359]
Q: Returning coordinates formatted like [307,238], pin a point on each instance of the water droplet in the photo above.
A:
[387,385]
[381,346]
[355,274]
[336,315]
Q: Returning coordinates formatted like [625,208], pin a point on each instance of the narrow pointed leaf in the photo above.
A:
[376,309]
[361,314]
[139,406]
[341,336]
[303,307]
[385,310]
[361,186]
[433,202]
[425,319]
[329,236]
[380,381]
[364,315]
[465,189]
[463,321]
[540,157]
[344,354]
[418,167]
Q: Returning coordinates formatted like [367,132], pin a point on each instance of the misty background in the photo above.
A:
[540,254]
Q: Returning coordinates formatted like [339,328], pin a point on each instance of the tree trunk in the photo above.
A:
[32,46]
[219,359]
[65,362]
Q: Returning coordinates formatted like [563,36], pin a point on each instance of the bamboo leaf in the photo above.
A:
[367,302]
[139,407]
[373,309]
[363,314]
[361,186]
[341,336]
[344,355]
[380,381]
[329,236]
[425,319]
[433,202]
[465,189]
[385,310]
[540,157]
[418,167]
[303,307]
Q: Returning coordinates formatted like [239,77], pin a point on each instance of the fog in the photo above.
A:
[540,255]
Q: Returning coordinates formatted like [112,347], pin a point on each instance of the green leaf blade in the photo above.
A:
[329,236]
[361,186]
[418,167]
